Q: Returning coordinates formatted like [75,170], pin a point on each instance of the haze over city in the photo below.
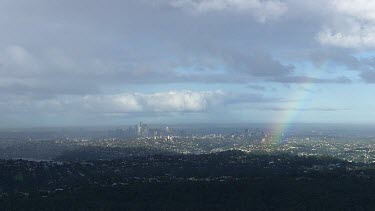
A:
[77,63]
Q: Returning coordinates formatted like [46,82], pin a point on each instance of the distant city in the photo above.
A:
[351,146]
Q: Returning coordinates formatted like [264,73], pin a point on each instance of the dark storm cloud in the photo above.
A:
[306,79]
[341,57]
[258,64]
[140,41]
[365,66]
[298,109]
[368,76]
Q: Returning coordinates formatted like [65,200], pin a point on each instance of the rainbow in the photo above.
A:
[293,107]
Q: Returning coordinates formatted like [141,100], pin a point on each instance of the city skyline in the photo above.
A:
[77,63]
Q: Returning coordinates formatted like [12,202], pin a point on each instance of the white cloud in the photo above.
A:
[158,103]
[173,101]
[262,10]
[360,38]
[359,9]
[352,24]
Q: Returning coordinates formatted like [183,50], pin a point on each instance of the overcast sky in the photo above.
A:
[104,62]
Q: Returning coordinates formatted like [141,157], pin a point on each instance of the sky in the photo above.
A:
[110,62]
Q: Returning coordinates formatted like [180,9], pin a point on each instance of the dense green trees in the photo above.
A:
[230,180]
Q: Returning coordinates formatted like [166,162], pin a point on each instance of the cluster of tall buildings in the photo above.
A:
[142,130]
[254,133]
